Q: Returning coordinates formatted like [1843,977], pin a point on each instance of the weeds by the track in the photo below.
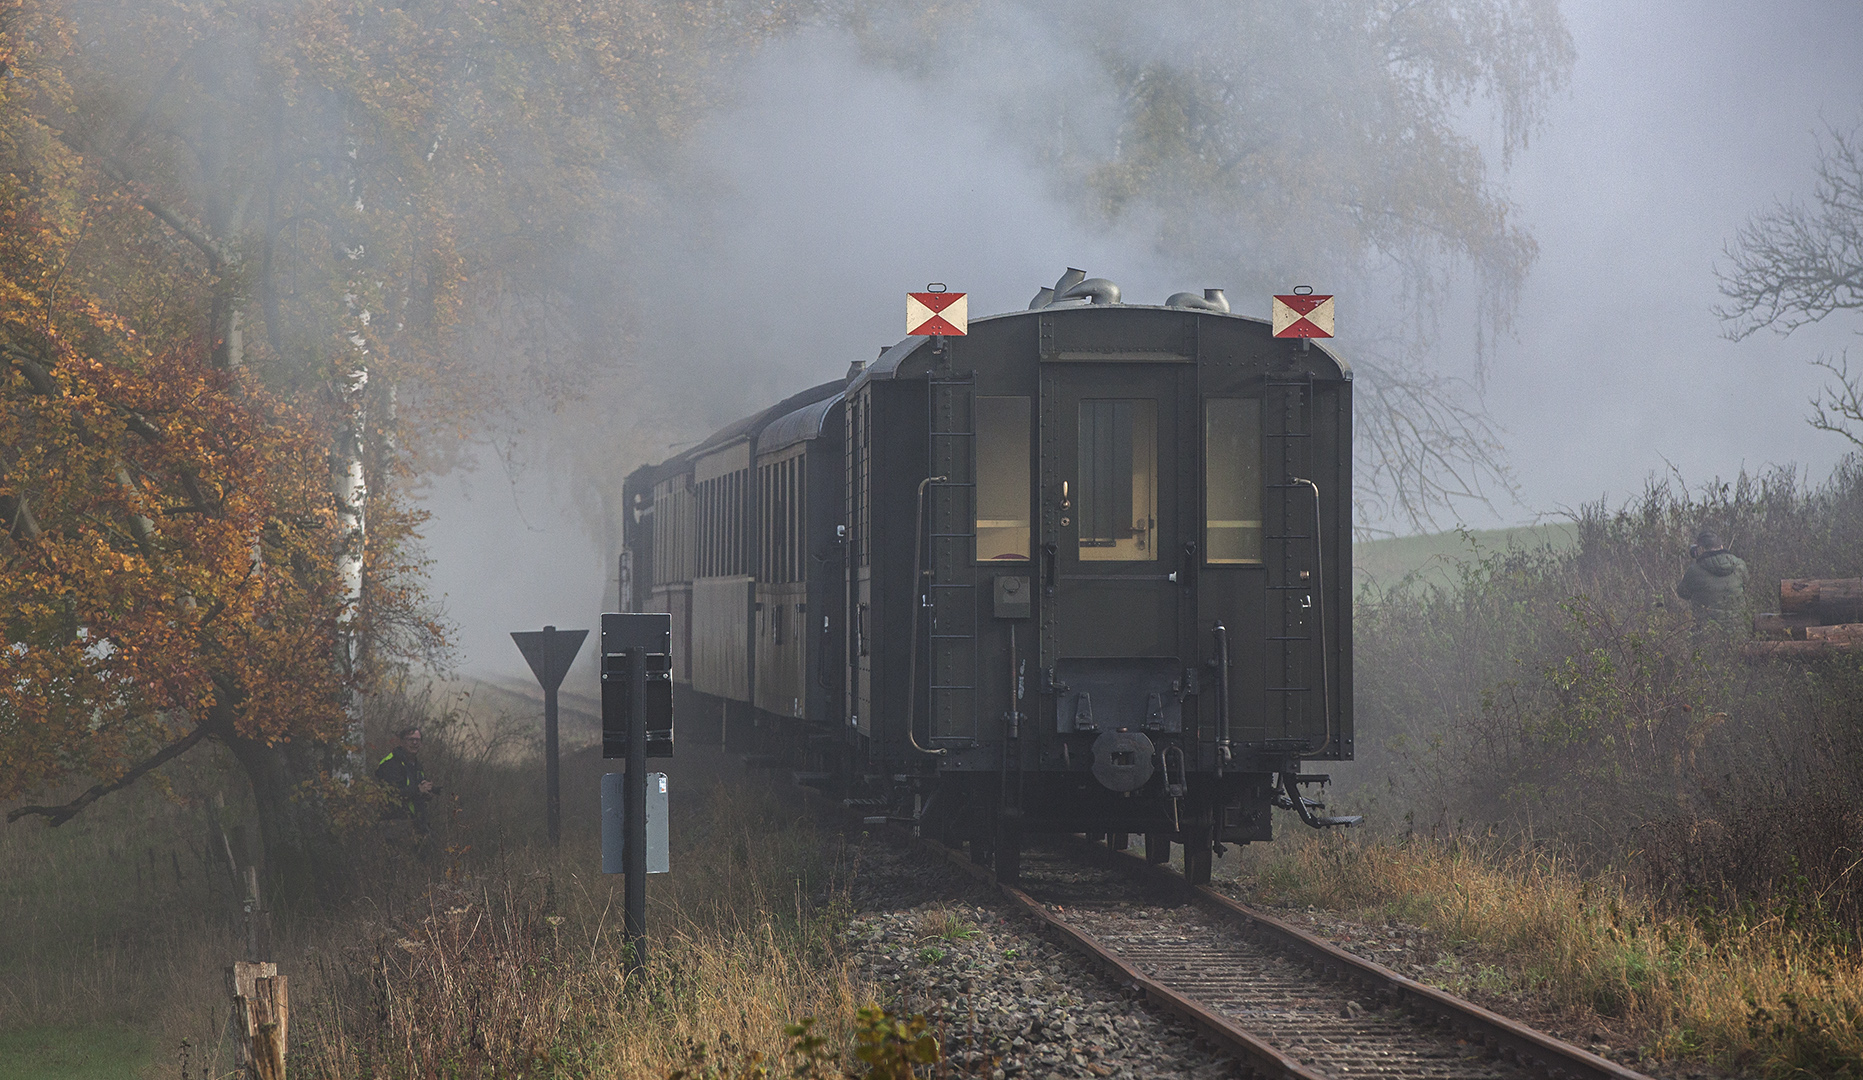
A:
[485,954]
[525,972]
[1771,990]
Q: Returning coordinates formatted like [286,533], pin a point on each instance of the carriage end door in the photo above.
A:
[1114,497]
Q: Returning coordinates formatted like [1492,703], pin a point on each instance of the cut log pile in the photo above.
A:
[1816,617]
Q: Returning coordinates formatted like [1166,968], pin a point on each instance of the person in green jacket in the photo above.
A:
[1715,582]
[401,772]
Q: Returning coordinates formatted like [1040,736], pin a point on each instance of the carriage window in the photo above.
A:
[1232,480]
[1002,478]
[1116,508]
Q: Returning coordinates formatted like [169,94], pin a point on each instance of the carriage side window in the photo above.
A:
[1232,480]
[857,482]
[1002,478]
[798,554]
[1116,506]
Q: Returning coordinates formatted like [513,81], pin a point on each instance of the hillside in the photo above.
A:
[1381,564]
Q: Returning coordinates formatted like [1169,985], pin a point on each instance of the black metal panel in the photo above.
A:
[897,442]
[1118,334]
[1139,693]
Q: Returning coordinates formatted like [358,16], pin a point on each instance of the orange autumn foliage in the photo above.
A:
[165,528]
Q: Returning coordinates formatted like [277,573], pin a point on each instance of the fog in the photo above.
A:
[1683,120]
[836,185]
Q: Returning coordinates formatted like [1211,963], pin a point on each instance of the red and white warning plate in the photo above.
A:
[1303,315]
[937,313]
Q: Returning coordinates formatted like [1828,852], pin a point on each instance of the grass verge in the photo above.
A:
[1773,990]
[91,1052]
[524,970]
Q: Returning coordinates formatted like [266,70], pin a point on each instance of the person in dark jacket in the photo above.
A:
[400,771]
[1715,582]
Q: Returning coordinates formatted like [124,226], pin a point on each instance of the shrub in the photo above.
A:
[1568,696]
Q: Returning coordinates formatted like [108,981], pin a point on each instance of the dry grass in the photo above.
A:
[1772,991]
[494,956]
[101,918]
[940,923]
[529,976]
[496,985]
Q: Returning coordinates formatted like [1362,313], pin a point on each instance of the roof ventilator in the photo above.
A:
[1211,300]
[1097,290]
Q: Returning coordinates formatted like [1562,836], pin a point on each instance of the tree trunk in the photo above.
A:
[305,858]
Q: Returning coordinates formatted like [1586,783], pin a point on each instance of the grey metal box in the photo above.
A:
[1012,597]
[649,630]
[614,825]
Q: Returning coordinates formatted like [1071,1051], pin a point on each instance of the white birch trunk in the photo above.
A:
[350,486]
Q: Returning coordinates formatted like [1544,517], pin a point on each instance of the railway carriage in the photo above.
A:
[1084,569]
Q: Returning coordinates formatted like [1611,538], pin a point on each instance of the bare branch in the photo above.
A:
[1796,264]
[1838,405]
[119,172]
[1422,447]
[58,815]
[35,372]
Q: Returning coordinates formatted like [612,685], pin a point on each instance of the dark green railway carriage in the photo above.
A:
[1086,569]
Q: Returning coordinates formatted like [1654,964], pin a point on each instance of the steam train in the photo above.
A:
[1084,569]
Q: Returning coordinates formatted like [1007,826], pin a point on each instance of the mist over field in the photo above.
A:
[836,183]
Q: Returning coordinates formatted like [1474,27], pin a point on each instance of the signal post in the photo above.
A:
[637,722]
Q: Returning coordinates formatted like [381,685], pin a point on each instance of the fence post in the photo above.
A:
[261,1019]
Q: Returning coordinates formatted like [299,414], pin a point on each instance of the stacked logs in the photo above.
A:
[1816,617]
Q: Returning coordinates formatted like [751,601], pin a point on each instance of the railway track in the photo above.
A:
[1284,1002]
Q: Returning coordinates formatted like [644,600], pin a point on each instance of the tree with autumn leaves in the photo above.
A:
[168,560]
[253,257]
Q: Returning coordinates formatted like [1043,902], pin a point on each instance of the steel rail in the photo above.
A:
[1506,1039]
[1261,1058]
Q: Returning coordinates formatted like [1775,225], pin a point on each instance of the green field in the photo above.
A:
[1434,557]
[93,1052]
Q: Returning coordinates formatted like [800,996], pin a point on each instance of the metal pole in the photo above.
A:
[552,783]
[634,916]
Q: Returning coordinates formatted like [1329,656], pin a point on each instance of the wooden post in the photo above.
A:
[258,916]
[261,1019]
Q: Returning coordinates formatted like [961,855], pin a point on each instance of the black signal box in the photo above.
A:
[622,634]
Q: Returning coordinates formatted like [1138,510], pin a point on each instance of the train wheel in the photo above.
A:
[1157,848]
[1008,862]
[1198,848]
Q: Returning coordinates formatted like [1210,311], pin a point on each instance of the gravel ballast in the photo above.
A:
[1006,1002]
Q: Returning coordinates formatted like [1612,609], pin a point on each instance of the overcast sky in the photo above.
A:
[1682,119]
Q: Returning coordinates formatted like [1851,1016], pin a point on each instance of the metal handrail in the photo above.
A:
[1319,573]
[912,660]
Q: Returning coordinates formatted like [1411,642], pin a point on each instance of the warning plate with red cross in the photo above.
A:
[937,313]
[1303,315]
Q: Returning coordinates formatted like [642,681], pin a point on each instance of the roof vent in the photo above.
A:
[854,369]
[1098,290]
[1042,298]
[1211,300]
